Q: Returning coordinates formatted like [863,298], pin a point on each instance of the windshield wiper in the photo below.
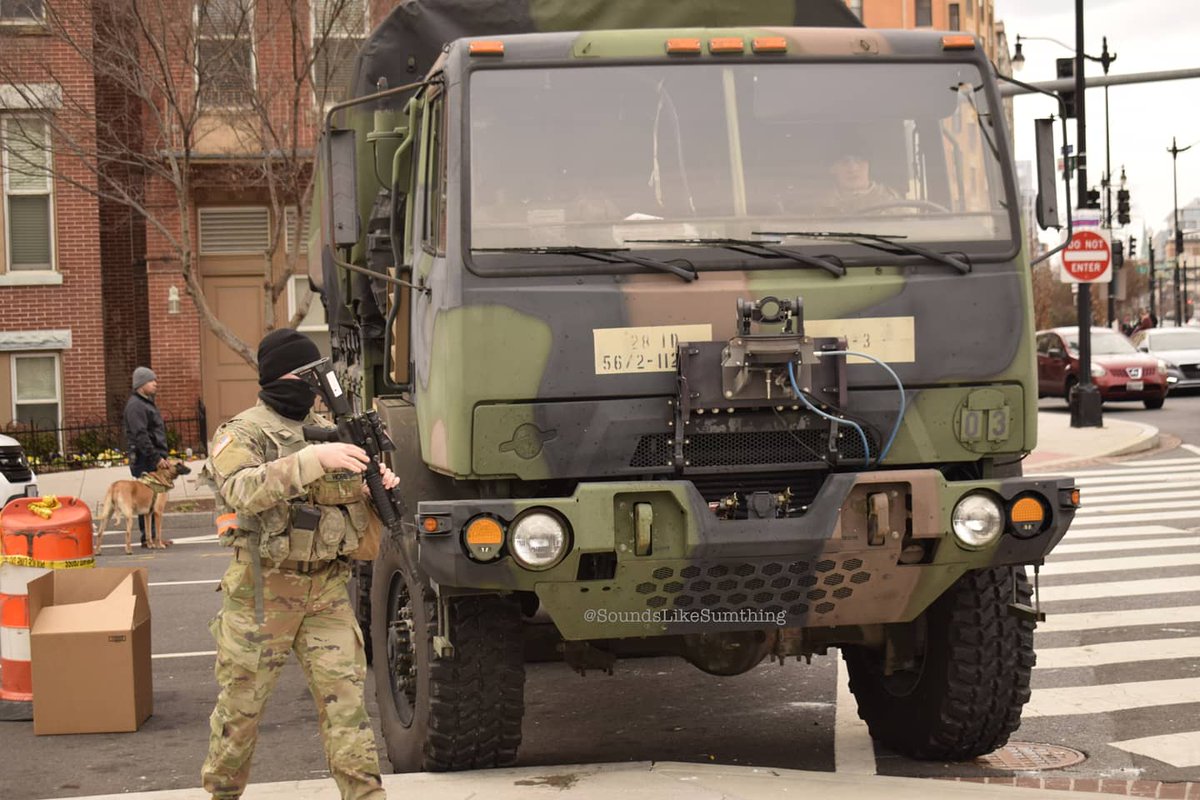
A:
[831,264]
[606,255]
[887,243]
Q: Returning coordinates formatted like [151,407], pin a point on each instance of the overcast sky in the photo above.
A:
[1146,35]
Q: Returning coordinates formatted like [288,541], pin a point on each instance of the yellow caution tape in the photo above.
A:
[26,561]
[45,506]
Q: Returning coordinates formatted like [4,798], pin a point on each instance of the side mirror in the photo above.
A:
[1047,197]
[1056,352]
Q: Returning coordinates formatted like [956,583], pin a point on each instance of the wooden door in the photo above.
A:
[230,384]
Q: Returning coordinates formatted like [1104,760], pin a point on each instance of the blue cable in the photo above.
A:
[804,399]
[899,386]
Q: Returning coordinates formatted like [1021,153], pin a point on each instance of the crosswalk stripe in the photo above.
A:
[1192,448]
[1132,531]
[1110,697]
[1143,544]
[1054,567]
[1090,510]
[1174,476]
[1101,492]
[1093,591]
[1177,749]
[1136,466]
[1093,499]
[1117,519]
[1101,620]
[1095,655]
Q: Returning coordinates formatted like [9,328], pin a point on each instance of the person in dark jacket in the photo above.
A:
[145,433]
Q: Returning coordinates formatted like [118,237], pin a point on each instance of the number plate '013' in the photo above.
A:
[621,351]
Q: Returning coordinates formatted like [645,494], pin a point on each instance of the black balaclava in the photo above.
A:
[280,352]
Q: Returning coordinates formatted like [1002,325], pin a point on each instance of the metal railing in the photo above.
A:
[85,445]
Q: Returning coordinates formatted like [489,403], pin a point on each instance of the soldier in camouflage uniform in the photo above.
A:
[293,511]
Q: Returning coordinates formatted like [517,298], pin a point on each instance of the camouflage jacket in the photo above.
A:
[265,474]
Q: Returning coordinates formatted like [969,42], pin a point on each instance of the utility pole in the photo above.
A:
[1175,150]
[1153,278]
[1085,397]
[1106,60]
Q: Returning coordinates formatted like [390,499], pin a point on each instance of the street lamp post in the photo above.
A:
[1175,150]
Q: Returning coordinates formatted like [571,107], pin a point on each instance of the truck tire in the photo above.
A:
[438,714]
[964,696]
[359,590]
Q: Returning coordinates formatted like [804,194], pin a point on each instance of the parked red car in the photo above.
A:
[1118,369]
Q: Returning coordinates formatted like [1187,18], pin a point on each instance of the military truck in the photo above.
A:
[700,329]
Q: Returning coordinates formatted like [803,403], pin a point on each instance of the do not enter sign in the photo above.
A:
[1087,259]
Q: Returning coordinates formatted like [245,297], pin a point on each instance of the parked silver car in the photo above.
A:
[1179,347]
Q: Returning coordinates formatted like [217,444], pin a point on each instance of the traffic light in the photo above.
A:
[1132,247]
[1093,197]
[1066,69]
[1122,206]
[1118,254]
[1178,243]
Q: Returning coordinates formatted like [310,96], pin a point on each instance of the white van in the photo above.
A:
[16,478]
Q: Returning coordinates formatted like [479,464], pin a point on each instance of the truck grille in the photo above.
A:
[13,466]
[749,448]
[800,587]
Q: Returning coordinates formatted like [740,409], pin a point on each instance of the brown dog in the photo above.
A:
[133,498]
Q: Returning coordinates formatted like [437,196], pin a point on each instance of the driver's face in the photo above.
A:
[852,173]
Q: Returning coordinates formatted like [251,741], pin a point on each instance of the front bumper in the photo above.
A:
[851,559]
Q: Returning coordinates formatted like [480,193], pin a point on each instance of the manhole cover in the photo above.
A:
[1031,756]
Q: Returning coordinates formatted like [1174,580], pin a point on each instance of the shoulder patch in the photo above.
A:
[221,444]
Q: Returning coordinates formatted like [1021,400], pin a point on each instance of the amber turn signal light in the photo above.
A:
[1028,516]
[483,538]
[486,47]
[683,46]
[769,44]
[958,42]
[726,44]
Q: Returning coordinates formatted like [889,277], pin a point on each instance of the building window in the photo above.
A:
[21,11]
[955,22]
[924,13]
[224,53]
[36,390]
[313,325]
[339,28]
[856,8]
[28,198]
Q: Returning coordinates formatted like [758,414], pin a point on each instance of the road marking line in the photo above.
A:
[1095,591]
[212,537]
[1091,511]
[1109,697]
[1166,465]
[1193,448]
[853,748]
[1141,494]
[1132,530]
[1101,620]
[1174,476]
[195,654]
[1177,749]
[183,583]
[1102,492]
[1136,544]
[1125,564]
[1095,655]
[1117,519]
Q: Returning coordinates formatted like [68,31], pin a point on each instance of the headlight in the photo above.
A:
[538,539]
[977,520]
[1097,371]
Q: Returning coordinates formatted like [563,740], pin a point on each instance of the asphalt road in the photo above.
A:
[1119,676]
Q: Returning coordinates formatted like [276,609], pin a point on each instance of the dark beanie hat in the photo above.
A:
[282,351]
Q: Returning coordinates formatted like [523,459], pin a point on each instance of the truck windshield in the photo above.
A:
[603,155]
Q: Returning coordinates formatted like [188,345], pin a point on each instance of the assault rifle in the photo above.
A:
[353,427]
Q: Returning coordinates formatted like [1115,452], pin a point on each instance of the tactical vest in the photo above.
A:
[336,495]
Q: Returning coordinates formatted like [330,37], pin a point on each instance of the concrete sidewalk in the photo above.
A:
[1060,445]
[652,781]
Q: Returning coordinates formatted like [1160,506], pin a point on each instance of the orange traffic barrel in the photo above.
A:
[37,535]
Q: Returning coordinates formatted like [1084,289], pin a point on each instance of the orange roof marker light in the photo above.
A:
[727,44]
[683,46]
[959,42]
[769,44]
[486,47]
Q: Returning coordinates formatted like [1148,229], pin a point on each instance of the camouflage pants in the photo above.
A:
[311,615]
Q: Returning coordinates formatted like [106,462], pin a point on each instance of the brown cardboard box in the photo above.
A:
[90,647]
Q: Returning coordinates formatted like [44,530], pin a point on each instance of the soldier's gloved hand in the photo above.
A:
[340,455]
[390,481]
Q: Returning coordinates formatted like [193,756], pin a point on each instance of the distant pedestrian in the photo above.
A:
[145,433]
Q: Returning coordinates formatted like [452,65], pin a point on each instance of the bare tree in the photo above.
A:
[174,73]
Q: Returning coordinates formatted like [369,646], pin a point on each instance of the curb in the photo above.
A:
[1149,439]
